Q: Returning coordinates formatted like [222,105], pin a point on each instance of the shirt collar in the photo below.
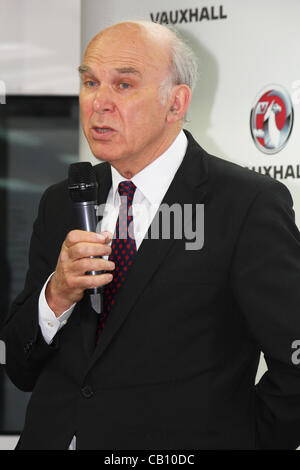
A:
[154,180]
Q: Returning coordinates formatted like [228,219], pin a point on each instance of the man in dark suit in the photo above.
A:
[173,364]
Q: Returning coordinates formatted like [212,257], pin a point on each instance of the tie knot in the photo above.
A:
[127,188]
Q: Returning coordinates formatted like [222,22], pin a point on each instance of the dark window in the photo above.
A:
[38,140]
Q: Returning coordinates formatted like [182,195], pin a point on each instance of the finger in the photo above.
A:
[89,282]
[78,236]
[108,236]
[86,250]
[92,264]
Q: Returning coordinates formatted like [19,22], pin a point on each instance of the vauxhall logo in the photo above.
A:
[271,119]
[189,15]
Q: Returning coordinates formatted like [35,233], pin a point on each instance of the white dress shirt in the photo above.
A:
[151,184]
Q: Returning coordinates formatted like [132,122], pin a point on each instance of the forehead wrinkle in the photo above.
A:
[129,52]
[134,48]
[124,63]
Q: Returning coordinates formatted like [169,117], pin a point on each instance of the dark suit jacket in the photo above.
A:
[176,364]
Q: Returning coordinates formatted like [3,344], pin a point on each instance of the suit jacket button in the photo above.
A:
[87,392]
[27,347]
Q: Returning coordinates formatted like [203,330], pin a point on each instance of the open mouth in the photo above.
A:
[102,130]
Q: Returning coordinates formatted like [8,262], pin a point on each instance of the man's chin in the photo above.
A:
[106,157]
[108,153]
[102,152]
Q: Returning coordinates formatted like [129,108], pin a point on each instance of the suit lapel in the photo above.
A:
[187,187]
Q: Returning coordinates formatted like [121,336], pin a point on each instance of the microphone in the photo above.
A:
[83,189]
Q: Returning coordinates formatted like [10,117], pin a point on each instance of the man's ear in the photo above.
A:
[180,100]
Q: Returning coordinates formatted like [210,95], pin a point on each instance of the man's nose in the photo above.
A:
[103,101]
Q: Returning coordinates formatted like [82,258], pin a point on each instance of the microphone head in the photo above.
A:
[82,182]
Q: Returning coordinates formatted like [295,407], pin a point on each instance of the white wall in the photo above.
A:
[40,46]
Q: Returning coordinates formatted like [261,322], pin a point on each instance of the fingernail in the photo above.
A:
[107,234]
[100,236]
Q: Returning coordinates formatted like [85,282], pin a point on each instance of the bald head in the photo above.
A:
[180,59]
[154,34]
[144,28]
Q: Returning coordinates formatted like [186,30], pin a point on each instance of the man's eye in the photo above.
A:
[90,83]
[124,86]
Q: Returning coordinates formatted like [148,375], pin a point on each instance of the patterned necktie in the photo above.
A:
[123,249]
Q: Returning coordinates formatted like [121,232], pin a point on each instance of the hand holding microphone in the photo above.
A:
[82,250]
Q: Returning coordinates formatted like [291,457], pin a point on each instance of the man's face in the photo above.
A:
[122,114]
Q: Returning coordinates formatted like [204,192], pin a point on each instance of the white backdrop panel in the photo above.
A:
[248,46]
[39,46]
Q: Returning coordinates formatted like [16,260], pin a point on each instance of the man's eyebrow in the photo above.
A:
[84,69]
[128,70]
[122,70]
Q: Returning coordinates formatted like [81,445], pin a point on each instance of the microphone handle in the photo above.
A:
[85,213]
